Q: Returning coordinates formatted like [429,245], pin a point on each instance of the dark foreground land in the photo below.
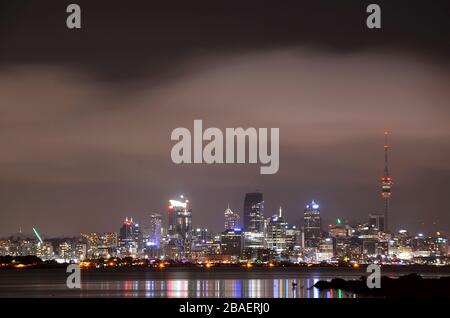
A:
[407,286]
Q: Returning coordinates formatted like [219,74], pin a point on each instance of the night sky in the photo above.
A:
[86,115]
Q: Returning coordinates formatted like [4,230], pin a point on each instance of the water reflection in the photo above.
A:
[211,288]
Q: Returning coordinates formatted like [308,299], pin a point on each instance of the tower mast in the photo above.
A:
[386,183]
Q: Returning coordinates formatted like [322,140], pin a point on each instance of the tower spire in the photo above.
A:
[386,148]
[386,183]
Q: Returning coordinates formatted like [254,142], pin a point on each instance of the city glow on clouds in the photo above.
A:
[66,130]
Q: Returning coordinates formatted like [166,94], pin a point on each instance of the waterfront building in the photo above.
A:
[325,250]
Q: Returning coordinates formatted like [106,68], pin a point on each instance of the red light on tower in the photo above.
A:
[128,222]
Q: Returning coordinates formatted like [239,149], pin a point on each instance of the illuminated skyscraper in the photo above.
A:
[293,238]
[180,228]
[231,242]
[231,219]
[276,233]
[312,224]
[154,233]
[254,212]
[130,238]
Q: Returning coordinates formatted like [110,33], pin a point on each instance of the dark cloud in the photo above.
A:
[121,41]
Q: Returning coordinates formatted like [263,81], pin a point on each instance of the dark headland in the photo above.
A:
[407,286]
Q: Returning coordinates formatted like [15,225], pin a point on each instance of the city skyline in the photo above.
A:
[311,205]
[251,217]
[216,157]
[262,240]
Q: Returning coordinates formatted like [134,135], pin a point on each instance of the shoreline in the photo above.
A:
[394,269]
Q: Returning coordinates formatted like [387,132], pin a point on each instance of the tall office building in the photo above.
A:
[231,219]
[312,224]
[231,242]
[180,228]
[254,240]
[254,212]
[293,238]
[130,237]
[203,243]
[201,235]
[154,231]
[276,233]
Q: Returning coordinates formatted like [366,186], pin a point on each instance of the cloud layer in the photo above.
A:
[79,153]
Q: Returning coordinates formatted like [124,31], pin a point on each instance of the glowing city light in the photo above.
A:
[37,235]
[177,204]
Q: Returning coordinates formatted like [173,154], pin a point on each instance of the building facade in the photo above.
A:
[254,212]
[312,224]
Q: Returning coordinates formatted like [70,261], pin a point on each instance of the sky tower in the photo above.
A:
[386,183]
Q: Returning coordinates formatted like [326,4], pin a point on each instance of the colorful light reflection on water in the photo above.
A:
[213,288]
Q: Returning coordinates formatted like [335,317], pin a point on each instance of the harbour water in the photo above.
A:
[177,283]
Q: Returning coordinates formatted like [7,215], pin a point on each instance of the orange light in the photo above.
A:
[85,264]
[161,265]
[20,266]
[355,265]
[249,265]
[271,264]
[208,265]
